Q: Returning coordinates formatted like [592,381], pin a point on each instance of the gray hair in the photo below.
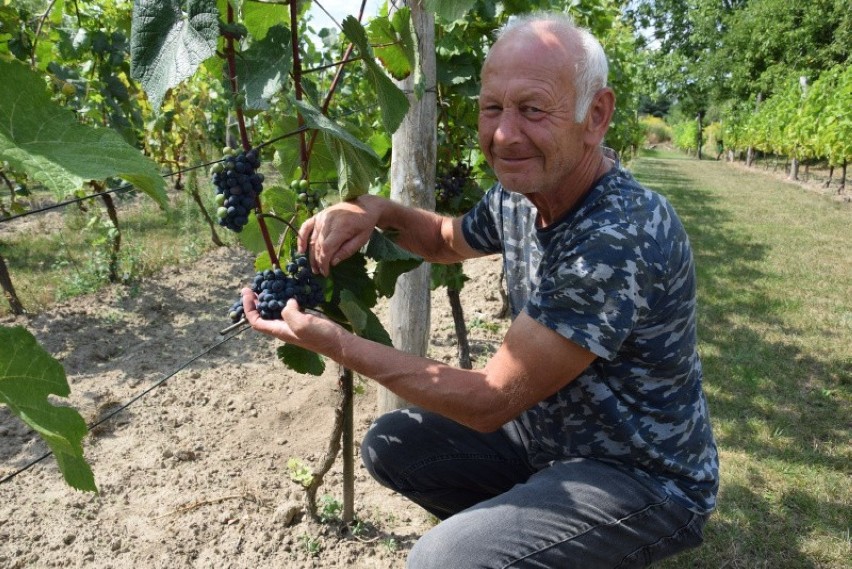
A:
[592,68]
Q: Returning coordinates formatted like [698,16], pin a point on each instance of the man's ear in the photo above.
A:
[599,116]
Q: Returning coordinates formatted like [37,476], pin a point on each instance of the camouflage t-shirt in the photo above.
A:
[616,276]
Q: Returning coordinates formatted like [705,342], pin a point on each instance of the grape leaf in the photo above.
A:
[392,101]
[394,47]
[381,247]
[392,261]
[451,276]
[288,154]
[262,69]
[449,10]
[282,202]
[301,360]
[260,17]
[250,237]
[363,321]
[41,138]
[352,274]
[169,39]
[28,374]
[276,200]
[357,163]
[355,170]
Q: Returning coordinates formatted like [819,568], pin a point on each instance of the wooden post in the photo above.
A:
[413,183]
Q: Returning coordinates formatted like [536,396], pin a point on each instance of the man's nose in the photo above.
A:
[507,126]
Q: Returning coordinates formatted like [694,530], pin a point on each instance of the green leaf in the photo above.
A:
[260,17]
[357,164]
[355,170]
[387,273]
[396,52]
[364,322]
[39,137]
[451,276]
[250,237]
[392,260]
[288,154]
[28,374]
[301,360]
[392,101]
[262,69]
[382,248]
[262,262]
[169,39]
[380,142]
[282,202]
[352,274]
[411,46]
[449,10]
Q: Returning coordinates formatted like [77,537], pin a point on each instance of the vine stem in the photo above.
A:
[241,122]
[38,31]
[297,82]
[232,77]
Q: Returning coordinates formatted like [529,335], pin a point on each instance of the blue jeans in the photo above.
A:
[500,511]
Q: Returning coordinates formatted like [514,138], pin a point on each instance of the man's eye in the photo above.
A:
[531,111]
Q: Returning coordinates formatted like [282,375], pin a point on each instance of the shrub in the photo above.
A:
[656,130]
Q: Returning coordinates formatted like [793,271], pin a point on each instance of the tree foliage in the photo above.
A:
[774,73]
[705,53]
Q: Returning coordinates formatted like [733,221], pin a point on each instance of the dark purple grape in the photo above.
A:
[274,287]
[239,185]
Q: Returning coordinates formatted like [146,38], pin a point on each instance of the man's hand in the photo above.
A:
[311,332]
[338,232]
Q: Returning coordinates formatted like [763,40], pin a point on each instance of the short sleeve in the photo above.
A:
[479,225]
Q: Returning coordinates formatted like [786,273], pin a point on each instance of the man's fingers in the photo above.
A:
[305,233]
[249,305]
[346,250]
[289,309]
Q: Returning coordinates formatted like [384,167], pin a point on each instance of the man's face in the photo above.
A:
[526,112]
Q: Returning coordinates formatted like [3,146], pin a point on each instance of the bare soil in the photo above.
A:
[195,473]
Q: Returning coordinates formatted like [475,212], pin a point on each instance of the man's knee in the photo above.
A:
[383,442]
[440,548]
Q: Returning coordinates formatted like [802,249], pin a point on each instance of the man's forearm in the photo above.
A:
[425,233]
[459,394]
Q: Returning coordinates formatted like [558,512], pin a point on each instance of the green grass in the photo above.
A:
[774,264]
[61,256]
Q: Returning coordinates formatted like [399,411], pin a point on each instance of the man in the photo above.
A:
[585,440]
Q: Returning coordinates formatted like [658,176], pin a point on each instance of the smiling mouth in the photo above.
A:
[513,160]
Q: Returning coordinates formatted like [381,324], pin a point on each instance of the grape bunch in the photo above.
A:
[449,186]
[274,287]
[308,196]
[237,186]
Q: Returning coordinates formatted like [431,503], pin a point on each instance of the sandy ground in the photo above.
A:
[195,473]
